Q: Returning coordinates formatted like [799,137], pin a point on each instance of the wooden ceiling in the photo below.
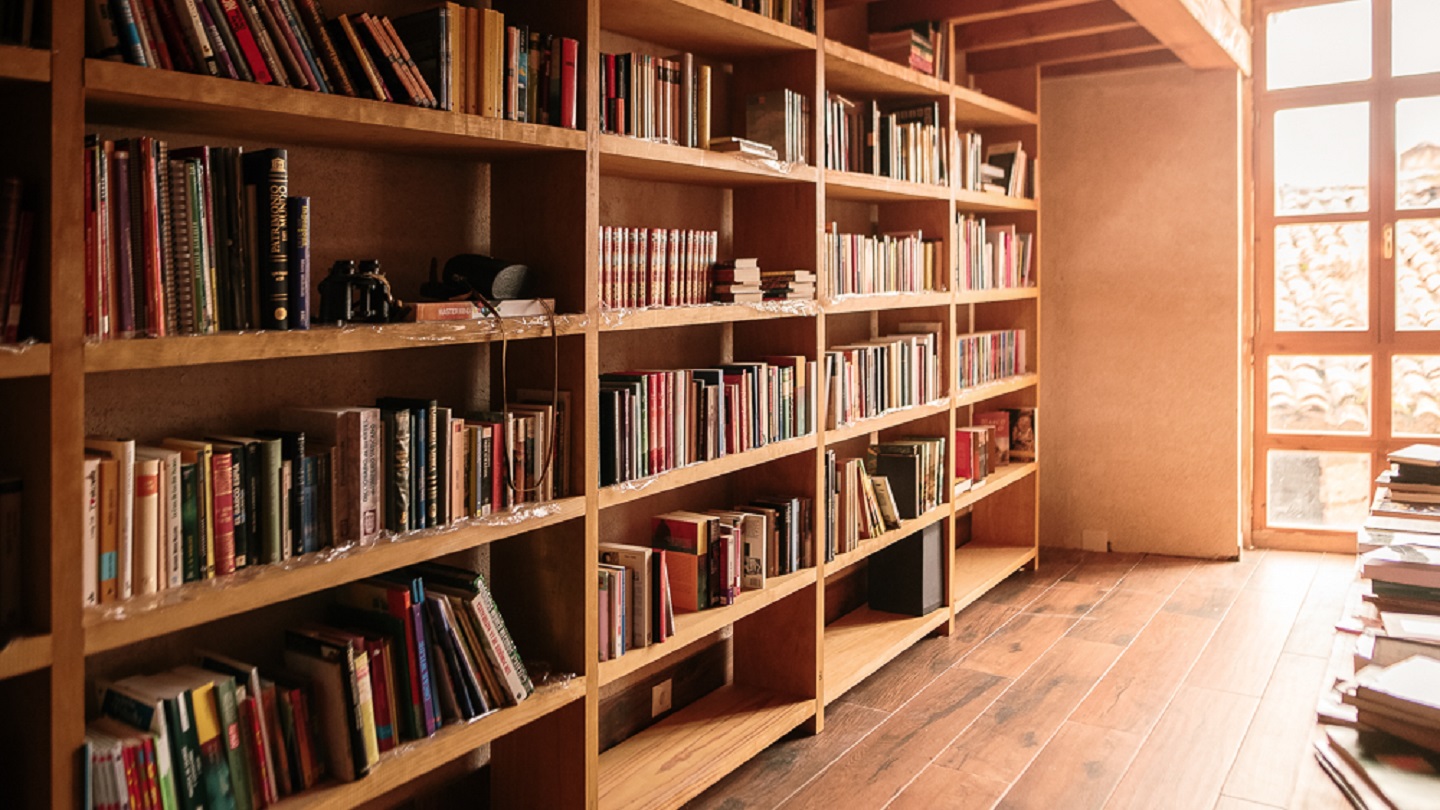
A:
[1079,36]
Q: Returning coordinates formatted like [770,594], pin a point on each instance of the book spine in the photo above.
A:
[147,526]
[569,55]
[430,708]
[222,480]
[245,40]
[315,22]
[195,35]
[504,656]
[273,63]
[290,45]
[274,261]
[305,49]
[298,220]
[227,50]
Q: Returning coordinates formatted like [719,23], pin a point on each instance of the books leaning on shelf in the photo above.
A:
[992,257]
[655,267]
[399,657]
[451,57]
[655,421]
[865,380]
[656,99]
[742,281]
[182,510]
[858,264]
[798,13]
[860,507]
[922,47]
[696,561]
[986,357]
[907,142]
[781,119]
[17,239]
[1014,169]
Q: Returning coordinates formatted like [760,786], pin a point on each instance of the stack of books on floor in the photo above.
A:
[902,370]
[1390,754]
[861,264]
[395,659]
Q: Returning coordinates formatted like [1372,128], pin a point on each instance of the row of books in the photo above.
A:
[895,480]
[17,242]
[995,439]
[658,99]
[655,421]
[696,561]
[901,370]
[903,143]
[742,281]
[450,57]
[192,241]
[860,264]
[1382,738]
[923,47]
[656,267]
[398,657]
[1002,168]
[799,13]
[992,257]
[781,119]
[182,510]
[986,357]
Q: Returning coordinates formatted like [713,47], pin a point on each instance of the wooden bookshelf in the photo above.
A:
[874,188]
[25,654]
[980,393]
[25,360]
[987,202]
[997,480]
[24,64]
[710,27]
[623,156]
[863,640]
[874,544]
[885,421]
[964,297]
[980,568]
[851,70]
[883,301]
[666,317]
[628,491]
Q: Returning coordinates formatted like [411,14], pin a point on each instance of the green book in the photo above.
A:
[229,711]
[190,522]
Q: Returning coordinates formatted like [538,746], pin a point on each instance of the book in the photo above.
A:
[122,453]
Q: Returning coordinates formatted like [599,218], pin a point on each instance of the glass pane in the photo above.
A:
[1319,394]
[1415,395]
[1318,45]
[1417,131]
[1322,277]
[1322,159]
[1416,24]
[1417,274]
[1309,489]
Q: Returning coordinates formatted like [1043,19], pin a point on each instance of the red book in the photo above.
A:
[224,513]
[173,34]
[245,38]
[150,777]
[300,706]
[385,727]
[150,237]
[261,782]
[128,751]
[497,473]
[280,764]
[569,50]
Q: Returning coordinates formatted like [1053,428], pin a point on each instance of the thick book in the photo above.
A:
[267,174]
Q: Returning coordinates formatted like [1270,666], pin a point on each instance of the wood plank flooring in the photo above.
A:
[1103,680]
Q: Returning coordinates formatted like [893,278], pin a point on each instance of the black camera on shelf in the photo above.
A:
[356,291]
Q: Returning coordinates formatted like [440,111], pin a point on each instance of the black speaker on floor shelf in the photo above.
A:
[907,577]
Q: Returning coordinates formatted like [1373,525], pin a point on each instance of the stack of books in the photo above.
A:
[17,238]
[986,357]
[655,267]
[788,285]
[780,119]
[744,147]
[992,257]
[858,264]
[908,142]
[451,57]
[656,99]
[188,509]
[655,421]
[396,659]
[902,370]
[923,47]
[738,282]
[696,561]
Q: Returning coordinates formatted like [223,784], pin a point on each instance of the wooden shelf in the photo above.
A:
[677,758]
[980,393]
[863,640]
[872,188]
[623,156]
[628,491]
[980,568]
[412,760]
[881,301]
[988,202]
[195,603]
[692,627]
[998,480]
[709,27]
[24,360]
[232,347]
[24,64]
[975,109]
[25,654]
[665,317]
[991,296]
[874,544]
[128,95]
[885,421]
[851,71]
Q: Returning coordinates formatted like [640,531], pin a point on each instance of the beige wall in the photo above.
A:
[1140,270]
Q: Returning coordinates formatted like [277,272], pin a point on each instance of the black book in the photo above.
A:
[609,437]
[426,463]
[232,239]
[267,180]
[903,474]
[426,35]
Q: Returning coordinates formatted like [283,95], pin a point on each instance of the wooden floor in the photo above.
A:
[1105,680]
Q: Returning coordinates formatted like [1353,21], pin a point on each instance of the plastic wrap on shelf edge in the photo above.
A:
[421,332]
[193,591]
[934,403]
[639,484]
[787,308]
[19,348]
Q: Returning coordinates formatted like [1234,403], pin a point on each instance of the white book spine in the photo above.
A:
[370,459]
[90,553]
[146,528]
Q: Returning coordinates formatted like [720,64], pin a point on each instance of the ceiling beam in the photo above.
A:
[891,14]
[1203,33]
[1024,29]
[1110,63]
[1093,46]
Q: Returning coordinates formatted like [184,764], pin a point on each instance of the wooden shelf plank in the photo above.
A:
[619,320]
[677,758]
[863,640]
[975,109]
[980,393]
[989,202]
[998,480]
[881,301]
[25,654]
[872,188]
[24,64]
[628,491]
[885,421]
[121,623]
[412,760]
[980,568]
[692,627]
[709,27]
[129,95]
[24,360]
[991,296]
[623,156]
[851,71]
[874,544]
[232,347]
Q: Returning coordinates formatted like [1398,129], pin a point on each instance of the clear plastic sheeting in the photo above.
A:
[426,332]
[786,308]
[784,167]
[934,403]
[642,484]
[19,348]
[192,592]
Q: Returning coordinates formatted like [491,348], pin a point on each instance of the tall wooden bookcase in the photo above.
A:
[403,185]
